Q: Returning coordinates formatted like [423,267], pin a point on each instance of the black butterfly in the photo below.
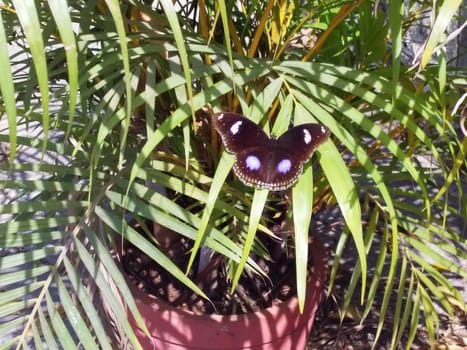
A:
[274,164]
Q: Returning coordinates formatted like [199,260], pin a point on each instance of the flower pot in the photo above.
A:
[280,326]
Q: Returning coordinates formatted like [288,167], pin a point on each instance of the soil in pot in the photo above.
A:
[262,313]
[253,293]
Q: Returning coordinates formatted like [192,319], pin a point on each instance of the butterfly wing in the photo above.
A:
[289,152]
[250,145]
[238,133]
[301,141]
[267,167]
[284,169]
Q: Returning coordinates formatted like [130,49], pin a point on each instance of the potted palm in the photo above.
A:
[257,312]
[128,154]
[280,325]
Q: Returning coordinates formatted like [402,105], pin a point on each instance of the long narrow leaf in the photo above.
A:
[302,194]
[27,15]
[257,207]
[7,90]
[346,194]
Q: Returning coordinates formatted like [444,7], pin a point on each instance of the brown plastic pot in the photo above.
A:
[278,327]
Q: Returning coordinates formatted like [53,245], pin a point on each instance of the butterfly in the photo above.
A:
[263,162]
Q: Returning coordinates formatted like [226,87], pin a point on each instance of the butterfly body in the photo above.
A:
[263,162]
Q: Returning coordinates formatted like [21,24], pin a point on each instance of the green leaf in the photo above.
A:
[107,294]
[257,207]
[223,169]
[73,315]
[28,17]
[61,14]
[302,199]
[58,325]
[46,330]
[86,303]
[7,90]
[443,19]
[346,195]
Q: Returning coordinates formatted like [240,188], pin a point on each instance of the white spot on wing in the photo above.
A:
[236,127]
[306,136]
[284,166]
[252,162]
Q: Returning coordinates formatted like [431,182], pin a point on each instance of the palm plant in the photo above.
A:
[119,92]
